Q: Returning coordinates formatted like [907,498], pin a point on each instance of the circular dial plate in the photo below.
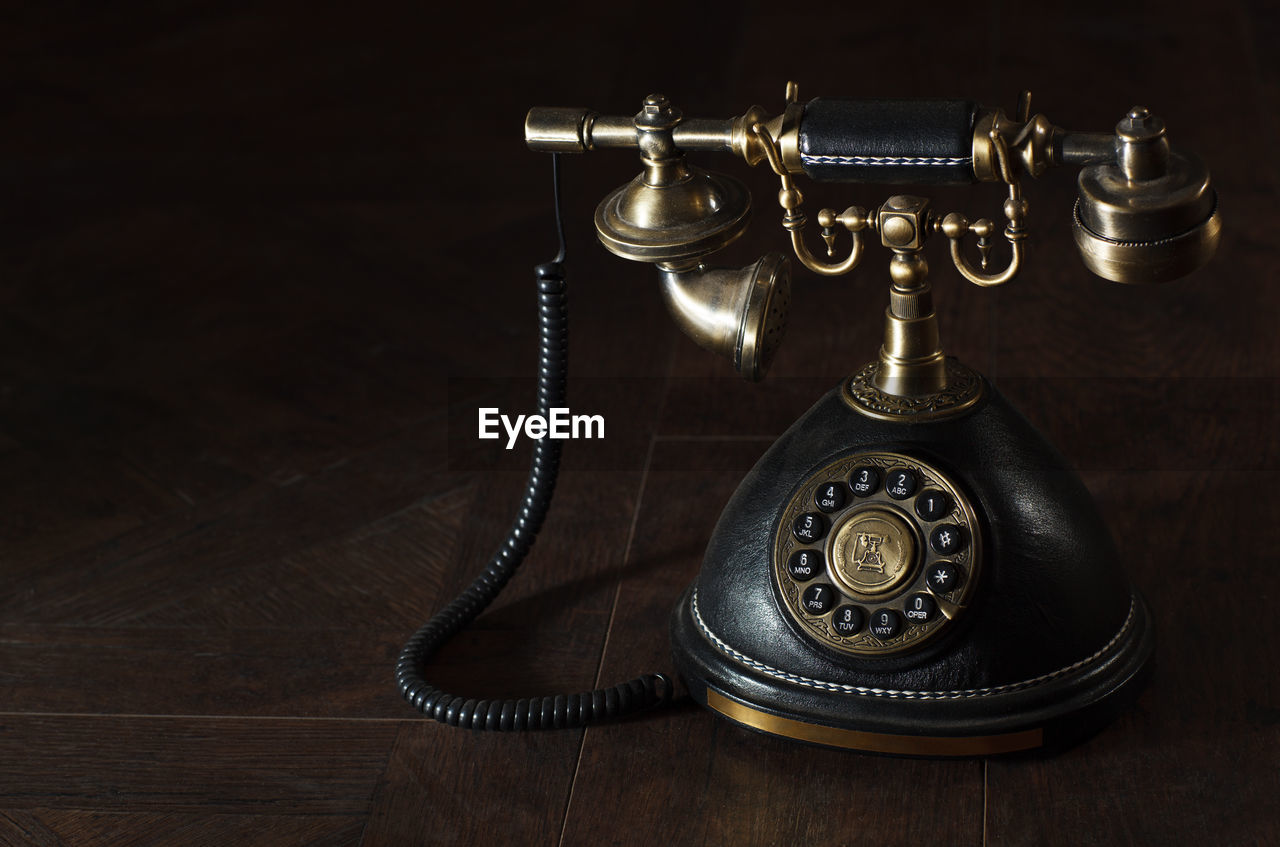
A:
[894,565]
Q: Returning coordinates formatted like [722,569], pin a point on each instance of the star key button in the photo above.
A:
[942,577]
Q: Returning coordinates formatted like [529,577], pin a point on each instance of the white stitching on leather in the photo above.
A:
[900,694]
[942,161]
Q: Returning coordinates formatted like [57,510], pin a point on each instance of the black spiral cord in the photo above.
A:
[560,711]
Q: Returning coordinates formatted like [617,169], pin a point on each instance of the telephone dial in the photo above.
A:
[911,568]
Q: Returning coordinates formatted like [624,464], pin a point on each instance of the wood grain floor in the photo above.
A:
[260,264]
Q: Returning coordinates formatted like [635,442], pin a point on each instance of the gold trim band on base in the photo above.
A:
[874,742]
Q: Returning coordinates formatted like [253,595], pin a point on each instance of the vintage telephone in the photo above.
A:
[911,568]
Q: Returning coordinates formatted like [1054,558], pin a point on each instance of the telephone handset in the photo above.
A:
[911,568]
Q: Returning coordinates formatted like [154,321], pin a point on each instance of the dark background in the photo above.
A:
[260,263]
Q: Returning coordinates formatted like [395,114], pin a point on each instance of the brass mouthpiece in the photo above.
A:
[741,314]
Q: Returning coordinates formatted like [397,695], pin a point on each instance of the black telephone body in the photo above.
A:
[911,568]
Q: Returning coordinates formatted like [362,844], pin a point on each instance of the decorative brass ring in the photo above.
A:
[964,388]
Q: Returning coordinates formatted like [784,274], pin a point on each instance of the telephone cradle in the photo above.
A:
[911,568]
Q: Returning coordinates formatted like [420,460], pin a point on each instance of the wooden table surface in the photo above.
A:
[260,266]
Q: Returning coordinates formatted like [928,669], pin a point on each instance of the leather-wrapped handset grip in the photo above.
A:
[888,141]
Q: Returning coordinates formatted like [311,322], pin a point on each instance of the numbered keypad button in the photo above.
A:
[943,577]
[946,539]
[818,599]
[900,483]
[864,481]
[921,608]
[830,496]
[933,505]
[809,527]
[885,624]
[848,620]
[804,565]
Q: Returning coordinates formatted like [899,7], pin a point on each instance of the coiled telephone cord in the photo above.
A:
[561,711]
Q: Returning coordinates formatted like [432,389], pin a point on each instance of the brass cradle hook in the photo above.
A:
[955,225]
[855,218]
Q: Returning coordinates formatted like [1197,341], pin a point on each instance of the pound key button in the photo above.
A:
[921,608]
[809,527]
[817,599]
[885,624]
[946,539]
[804,565]
[830,496]
[900,483]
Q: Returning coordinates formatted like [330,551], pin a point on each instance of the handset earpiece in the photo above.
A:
[1151,214]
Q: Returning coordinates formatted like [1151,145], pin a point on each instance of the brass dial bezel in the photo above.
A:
[912,635]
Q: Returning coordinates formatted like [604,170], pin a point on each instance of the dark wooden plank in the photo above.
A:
[449,786]
[192,765]
[62,827]
[222,546]
[712,773]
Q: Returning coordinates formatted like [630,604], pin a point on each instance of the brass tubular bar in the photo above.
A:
[1086,148]
[578,130]
[706,134]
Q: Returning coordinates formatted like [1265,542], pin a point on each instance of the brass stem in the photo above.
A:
[911,363]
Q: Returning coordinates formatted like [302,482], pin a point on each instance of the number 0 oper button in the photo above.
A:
[873,552]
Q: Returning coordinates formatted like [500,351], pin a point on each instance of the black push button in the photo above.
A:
[885,624]
[847,620]
[942,577]
[809,527]
[946,539]
[900,483]
[830,496]
[864,481]
[933,505]
[818,599]
[921,608]
[804,565]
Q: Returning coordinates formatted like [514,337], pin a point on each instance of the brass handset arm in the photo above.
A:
[1034,142]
